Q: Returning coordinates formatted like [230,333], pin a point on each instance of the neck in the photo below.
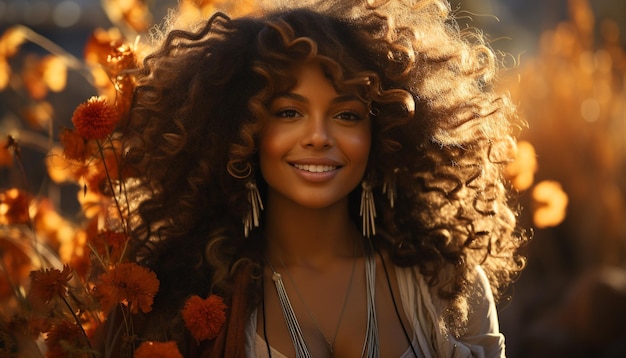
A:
[309,236]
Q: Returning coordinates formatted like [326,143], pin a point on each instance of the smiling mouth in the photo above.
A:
[315,168]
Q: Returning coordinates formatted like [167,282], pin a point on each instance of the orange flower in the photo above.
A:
[158,350]
[66,340]
[110,57]
[48,283]
[95,119]
[62,169]
[204,318]
[129,284]
[99,45]
[120,58]
[73,145]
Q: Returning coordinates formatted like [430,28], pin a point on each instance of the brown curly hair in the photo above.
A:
[441,137]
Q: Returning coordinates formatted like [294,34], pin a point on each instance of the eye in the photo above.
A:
[349,116]
[287,113]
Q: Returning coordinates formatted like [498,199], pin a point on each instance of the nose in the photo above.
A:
[317,133]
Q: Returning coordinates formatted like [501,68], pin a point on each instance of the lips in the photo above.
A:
[316,168]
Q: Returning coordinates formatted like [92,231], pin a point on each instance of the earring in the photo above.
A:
[368,210]
[251,220]
[390,188]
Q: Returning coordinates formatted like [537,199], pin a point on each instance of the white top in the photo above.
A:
[422,308]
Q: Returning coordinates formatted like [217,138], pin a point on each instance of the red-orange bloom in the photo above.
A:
[67,340]
[112,56]
[95,119]
[204,318]
[73,145]
[157,350]
[129,284]
[48,283]
[99,46]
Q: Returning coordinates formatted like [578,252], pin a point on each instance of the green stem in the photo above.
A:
[124,192]
[110,182]
[95,252]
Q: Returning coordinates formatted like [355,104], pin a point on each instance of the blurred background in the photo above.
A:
[564,64]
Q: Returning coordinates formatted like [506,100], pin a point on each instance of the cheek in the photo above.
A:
[358,147]
[271,148]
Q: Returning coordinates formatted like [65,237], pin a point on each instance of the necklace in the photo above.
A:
[329,342]
[370,346]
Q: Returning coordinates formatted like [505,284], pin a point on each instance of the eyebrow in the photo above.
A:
[300,98]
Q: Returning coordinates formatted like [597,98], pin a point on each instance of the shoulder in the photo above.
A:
[482,313]
[481,338]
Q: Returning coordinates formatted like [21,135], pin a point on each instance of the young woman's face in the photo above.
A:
[314,148]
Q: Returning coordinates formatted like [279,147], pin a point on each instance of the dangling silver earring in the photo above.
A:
[251,220]
[390,188]
[368,210]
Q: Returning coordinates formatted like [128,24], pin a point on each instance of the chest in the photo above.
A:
[333,312]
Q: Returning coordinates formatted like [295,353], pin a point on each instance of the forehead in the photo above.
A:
[312,75]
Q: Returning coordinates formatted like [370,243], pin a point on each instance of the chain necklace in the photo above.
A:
[370,346]
[329,342]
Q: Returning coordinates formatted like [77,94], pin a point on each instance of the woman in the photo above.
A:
[336,174]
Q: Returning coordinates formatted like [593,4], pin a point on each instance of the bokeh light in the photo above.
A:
[66,13]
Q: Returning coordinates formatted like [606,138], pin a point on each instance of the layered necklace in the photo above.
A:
[370,346]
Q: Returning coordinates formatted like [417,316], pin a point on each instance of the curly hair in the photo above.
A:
[441,137]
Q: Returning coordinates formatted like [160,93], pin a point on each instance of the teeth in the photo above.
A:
[315,168]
